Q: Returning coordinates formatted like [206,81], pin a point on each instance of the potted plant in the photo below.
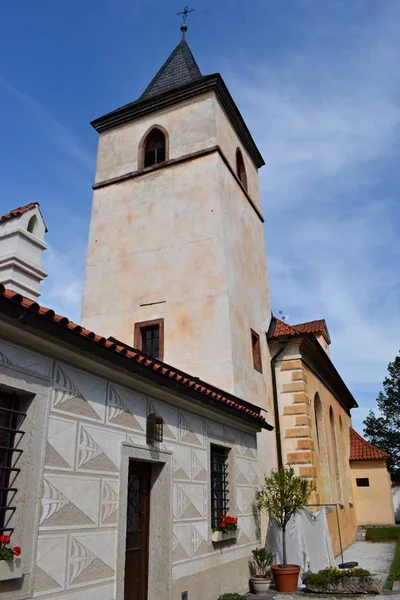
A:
[226,529]
[282,496]
[261,570]
[10,563]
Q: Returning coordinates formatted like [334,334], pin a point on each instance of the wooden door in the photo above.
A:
[137,531]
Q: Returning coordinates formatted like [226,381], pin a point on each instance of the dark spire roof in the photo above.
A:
[178,69]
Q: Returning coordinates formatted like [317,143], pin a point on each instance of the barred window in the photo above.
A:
[11,419]
[219,483]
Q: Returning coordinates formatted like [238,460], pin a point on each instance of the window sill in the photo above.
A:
[10,569]
[220,536]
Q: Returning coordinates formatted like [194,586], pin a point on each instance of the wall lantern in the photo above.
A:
[154,428]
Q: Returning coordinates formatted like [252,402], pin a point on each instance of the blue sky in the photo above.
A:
[319,86]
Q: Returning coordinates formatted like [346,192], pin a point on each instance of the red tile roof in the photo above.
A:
[212,393]
[17,212]
[316,327]
[360,449]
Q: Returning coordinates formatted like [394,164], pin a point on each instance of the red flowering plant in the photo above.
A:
[226,524]
[7,553]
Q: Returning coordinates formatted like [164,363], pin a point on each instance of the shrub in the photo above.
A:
[262,561]
[232,597]
[382,534]
[333,574]
[282,496]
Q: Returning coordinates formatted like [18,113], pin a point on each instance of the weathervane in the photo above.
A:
[184,15]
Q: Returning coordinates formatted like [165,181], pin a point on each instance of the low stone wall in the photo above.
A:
[347,585]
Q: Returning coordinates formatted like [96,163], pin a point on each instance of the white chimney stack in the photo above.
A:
[22,233]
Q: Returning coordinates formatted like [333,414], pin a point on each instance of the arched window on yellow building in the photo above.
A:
[346,450]
[336,458]
[322,451]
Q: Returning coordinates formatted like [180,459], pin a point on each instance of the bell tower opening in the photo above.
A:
[154,148]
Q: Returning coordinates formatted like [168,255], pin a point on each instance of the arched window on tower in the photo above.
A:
[240,168]
[336,459]
[322,450]
[154,148]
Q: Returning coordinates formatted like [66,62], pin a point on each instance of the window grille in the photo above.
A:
[219,484]
[11,419]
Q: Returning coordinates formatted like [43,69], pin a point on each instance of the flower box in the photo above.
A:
[222,536]
[10,569]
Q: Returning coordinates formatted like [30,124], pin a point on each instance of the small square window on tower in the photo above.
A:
[149,338]
[256,349]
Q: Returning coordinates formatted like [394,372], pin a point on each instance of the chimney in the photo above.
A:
[22,244]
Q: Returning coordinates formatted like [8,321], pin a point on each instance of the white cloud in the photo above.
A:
[329,129]
[62,290]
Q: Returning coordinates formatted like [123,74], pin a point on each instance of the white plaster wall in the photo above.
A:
[160,238]
[191,126]
[185,237]
[21,254]
[90,419]
[228,140]
[246,275]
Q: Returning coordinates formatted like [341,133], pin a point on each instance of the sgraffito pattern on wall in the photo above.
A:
[89,420]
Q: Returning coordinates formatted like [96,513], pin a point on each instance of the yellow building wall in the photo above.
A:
[374,504]
[298,387]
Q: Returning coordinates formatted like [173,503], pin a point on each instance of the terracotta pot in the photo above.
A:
[260,584]
[286,579]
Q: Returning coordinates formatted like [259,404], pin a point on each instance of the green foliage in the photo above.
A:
[333,574]
[232,597]
[382,534]
[394,574]
[6,554]
[383,430]
[282,496]
[262,561]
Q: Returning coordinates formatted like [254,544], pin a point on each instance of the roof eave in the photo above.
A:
[31,319]
[207,83]
[332,378]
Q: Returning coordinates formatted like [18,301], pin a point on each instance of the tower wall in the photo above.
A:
[191,127]
[186,237]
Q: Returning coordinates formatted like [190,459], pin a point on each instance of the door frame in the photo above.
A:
[160,527]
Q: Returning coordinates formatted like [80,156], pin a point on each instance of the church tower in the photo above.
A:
[176,261]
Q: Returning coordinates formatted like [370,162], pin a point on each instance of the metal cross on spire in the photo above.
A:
[184,15]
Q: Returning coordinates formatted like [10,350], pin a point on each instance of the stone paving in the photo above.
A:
[376,557]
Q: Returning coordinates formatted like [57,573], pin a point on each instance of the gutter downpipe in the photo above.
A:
[276,406]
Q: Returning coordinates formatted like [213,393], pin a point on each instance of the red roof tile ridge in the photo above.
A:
[360,449]
[133,354]
[17,212]
[283,328]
